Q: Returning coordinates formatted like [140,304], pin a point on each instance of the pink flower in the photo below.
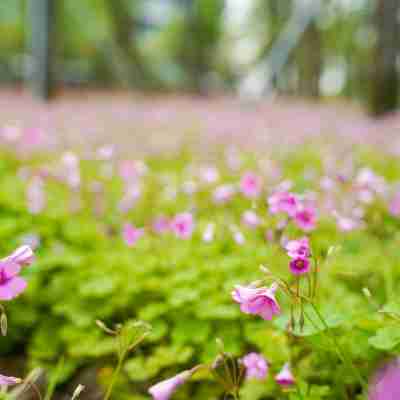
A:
[285,377]
[183,225]
[22,256]
[239,238]
[251,185]
[283,202]
[131,234]
[385,384]
[161,225]
[305,218]
[35,195]
[298,248]
[224,193]
[71,173]
[208,234]
[127,170]
[258,301]
[299,266]
[269,235]
[251,219]
[165,389]
[209,174]
[9,380]
[11,285]
[394,206]
[346,224]
[256,366]
[132,193]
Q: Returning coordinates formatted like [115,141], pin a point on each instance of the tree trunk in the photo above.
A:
[124,54]
[42,38]
[384,79]
[309,58]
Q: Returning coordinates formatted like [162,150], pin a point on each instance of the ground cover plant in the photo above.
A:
[261,276]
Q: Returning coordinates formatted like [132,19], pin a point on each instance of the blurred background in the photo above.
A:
[318,49]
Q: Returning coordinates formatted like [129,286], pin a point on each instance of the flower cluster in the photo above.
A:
[299,252]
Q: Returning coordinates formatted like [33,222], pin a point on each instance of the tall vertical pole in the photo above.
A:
[385,78]
[42,32]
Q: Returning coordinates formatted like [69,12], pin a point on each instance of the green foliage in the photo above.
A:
[85,272]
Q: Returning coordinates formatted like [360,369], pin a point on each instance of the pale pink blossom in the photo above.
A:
[9,380]
[385,384]
[285,377]
[133,191]
[306,218]
[22,256]
[298,248]
[256,366]
[165,389]
[257,300]
[209,174]
[283,202]
[251,219]
[161,225]
[11,284]
[131,234]
[394,205]
[35,195]
[251,185]
[208,234]
[183,225]
[223,194]
[269,235]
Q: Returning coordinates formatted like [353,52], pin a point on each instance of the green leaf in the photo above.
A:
[386,338]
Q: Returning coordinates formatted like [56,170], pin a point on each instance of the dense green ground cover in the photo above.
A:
[85,271]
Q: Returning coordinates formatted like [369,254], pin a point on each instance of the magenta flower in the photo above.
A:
[251,219]
[161,225]
[283,202]
[251,185]
[298,248]
[258,301]
[285,377]
[256,366]
[9,380]
[305,218]
[299,266]
[183,225]
[223,193]
[131,234]
[385,385]
[11,285]
[165,389]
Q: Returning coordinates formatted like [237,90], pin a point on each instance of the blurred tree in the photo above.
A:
[42,38]
[385,80]
[200,39]
[127,60]
[309,61]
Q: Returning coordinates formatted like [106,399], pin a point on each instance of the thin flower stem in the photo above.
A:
[314,292]
[114,377]
[299,393]
[341,353]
